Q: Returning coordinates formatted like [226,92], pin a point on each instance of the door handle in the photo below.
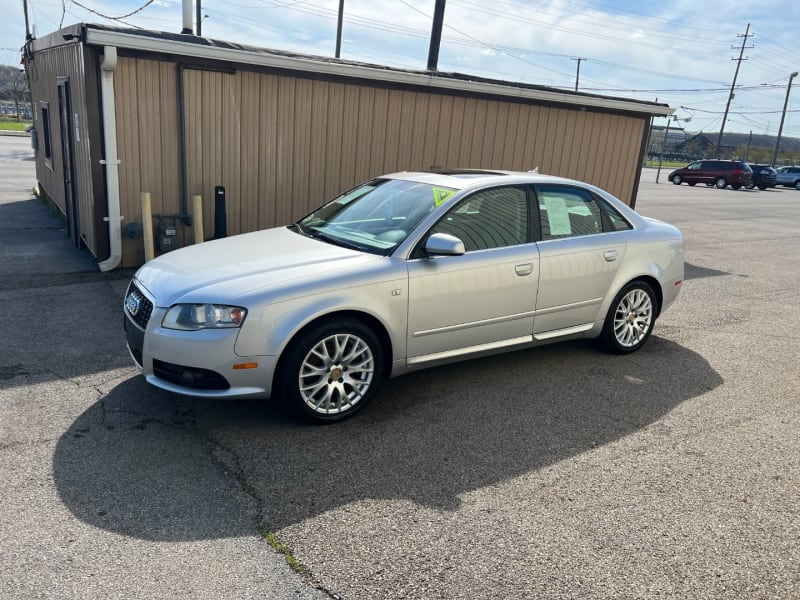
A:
[524,269]
[610,255]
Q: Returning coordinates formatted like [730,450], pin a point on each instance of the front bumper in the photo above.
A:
[197,363]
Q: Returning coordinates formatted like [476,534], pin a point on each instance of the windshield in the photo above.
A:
[375,217]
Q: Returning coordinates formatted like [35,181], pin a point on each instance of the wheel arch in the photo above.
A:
[655,286]
[364,318]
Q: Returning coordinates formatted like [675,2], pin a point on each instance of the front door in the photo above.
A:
[485,298]
[67,152]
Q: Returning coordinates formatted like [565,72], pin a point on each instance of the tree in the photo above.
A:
[14,87]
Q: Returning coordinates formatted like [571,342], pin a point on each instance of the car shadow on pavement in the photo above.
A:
[697,272]
[154,465]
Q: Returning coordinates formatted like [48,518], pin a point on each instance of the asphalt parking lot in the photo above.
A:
[560,472]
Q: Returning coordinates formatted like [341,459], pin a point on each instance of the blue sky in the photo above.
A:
[678,52]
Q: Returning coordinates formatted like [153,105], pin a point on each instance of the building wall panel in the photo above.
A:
[282,145]
[45,70]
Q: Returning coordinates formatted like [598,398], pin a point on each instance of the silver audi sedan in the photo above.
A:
[403,272]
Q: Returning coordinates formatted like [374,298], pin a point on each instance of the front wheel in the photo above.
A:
[676,179]
[630,318]
[736,186]
[762,187]
[797,185]
[751,185]
[720,183]
[331,372]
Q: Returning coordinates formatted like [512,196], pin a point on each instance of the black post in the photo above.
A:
[220,218]
[436,35]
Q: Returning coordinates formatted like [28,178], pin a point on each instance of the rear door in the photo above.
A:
[579,256]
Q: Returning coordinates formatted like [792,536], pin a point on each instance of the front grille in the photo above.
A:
[137,306]
[201,379]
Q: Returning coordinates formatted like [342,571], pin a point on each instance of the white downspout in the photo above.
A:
[111,161]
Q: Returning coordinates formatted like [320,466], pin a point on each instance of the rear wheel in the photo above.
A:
[693,183]
[676,179]
[751,185]
[331,372]
[721,183]
[797,185]
[762,187]
[630,318]
[736,186]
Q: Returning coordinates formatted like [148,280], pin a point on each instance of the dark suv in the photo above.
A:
[721,173]
[764,177]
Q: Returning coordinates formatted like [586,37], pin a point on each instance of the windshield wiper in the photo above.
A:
[334,241]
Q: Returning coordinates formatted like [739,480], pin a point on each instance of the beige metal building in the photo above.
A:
[119,112]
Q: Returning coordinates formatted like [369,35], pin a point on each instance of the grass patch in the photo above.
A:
[667,164]
[6,125]
[291,559]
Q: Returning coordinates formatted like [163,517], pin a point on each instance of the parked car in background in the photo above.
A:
[764,177]
[405,271]
[789,176]
[720,173]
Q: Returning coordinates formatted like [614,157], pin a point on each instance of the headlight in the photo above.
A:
[191,317]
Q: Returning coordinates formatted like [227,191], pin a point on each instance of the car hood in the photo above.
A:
[222,270]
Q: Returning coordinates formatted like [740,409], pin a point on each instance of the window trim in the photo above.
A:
[47,143]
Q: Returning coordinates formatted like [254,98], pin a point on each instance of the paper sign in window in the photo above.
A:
[557,215]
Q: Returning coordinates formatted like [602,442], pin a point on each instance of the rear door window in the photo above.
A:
[567,212]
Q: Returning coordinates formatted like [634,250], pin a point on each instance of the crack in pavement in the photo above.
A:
[229,461]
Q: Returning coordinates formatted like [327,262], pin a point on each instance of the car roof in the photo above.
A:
[463,178]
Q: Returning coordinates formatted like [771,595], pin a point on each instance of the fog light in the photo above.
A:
[188,378]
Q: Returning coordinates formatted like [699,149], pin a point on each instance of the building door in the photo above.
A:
[67,149]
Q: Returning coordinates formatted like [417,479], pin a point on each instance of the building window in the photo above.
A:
[48,149]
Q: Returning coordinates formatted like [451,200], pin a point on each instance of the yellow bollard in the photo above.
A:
[147,225]
[197,218]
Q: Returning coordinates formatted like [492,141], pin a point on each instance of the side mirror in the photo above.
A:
[444,244]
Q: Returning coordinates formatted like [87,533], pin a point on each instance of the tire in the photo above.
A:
[331,372]
[694,183]
[721,183]
[736,186]
[751,185]
[762,187]
[676,179]
[797,185]
[630,318]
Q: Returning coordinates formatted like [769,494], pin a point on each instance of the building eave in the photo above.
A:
[201,48]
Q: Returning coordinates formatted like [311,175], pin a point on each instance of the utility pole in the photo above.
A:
[436,35]
[744,37]
[578,73]
[27,22]
[664,143]
[199,18]
[339,29]
[749,142]
[783,116]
